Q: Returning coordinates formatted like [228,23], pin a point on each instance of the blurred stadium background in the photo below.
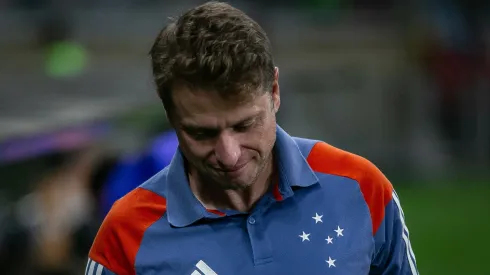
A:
[403,83]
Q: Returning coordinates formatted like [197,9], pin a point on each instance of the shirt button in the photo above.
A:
[251,220]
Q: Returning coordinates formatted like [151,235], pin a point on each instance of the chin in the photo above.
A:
[237,185]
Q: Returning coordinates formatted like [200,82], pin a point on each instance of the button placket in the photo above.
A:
[261,245]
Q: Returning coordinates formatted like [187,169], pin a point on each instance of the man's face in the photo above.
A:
[227,142]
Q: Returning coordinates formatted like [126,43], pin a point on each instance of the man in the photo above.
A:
[241,196]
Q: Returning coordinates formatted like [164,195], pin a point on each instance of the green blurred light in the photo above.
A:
[65,59]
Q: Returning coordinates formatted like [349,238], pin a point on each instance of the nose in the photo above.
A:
[227,151]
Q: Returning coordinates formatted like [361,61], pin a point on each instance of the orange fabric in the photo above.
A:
[121,233]
[277,193]
[216,212]
[375,187]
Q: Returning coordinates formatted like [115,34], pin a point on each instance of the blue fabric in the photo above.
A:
[394,254]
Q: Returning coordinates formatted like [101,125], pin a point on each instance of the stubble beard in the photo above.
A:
[226,184]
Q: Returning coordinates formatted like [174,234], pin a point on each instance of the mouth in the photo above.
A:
[234,169]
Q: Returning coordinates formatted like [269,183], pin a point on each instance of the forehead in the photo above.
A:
[208,108]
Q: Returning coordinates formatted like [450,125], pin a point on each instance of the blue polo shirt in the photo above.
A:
[331,212]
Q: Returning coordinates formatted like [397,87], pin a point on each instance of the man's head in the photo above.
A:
[215,75]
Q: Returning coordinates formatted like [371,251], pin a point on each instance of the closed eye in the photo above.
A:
[201,134]
[243,127]
[246,124]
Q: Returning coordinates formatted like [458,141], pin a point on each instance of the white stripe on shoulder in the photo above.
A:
[100,268]
[86,268]
[405,235]
[91,268]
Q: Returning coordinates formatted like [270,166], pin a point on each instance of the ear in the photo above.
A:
[276,94]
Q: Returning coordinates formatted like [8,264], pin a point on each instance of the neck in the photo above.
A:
[243,200]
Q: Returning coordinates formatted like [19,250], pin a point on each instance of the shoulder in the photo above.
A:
[120,235]
[325,158]
[373,184]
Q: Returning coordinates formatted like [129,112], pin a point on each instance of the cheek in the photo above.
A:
[269,137]
[193,149]
[252,138]
[259,140]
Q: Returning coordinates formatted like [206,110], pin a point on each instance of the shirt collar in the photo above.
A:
[183,208]
[294,170]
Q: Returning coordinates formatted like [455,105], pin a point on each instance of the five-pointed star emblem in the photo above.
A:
[318,218]
[330,262]
[329,240]
[339,231]
[304,237]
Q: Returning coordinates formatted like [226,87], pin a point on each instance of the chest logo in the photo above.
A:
[203,269]
[306,236]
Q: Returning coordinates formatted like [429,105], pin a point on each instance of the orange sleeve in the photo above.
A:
[120,235]
[375,187]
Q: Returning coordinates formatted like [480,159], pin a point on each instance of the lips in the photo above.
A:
[234,169]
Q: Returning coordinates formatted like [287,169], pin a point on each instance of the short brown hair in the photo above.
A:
[212,47]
